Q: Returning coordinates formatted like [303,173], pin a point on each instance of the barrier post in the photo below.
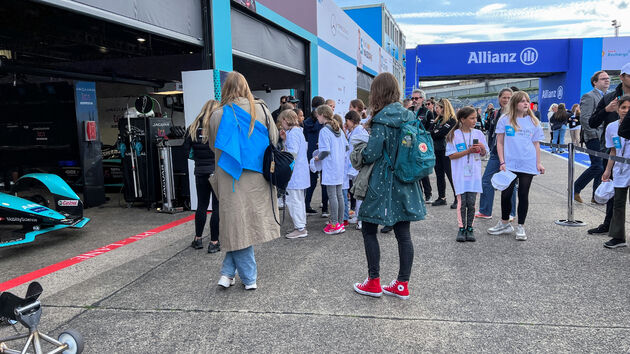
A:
[570,191]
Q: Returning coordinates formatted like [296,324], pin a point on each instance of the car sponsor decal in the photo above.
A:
[68,203]
[38,209]
[19,219]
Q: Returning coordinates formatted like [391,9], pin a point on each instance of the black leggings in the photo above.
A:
[443,167]
[373,251]
[524,182]
[204,189]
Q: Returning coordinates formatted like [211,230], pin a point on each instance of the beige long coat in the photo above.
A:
[245,213]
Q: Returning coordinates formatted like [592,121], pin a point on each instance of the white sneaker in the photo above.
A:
[297,234]
[359,225]
[325,214]
[352,220]
[511,218]
[226,282]
[501,228]
[520,233]
[251,287]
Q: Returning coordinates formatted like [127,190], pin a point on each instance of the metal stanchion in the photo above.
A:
[570,221]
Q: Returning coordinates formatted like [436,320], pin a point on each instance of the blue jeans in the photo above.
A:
[558,138]
[593,172]
[243,261]
[486,200]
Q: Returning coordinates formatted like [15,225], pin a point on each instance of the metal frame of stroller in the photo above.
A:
[28,312]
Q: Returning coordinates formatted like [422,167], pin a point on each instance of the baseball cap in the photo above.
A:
[292,99]
[625,69]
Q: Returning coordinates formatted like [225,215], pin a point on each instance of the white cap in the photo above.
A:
[626,69]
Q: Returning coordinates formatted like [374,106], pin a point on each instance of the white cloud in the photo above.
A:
[429,34]
[582,10]
[490,8]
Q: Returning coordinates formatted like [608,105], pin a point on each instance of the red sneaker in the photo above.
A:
[329,228]
[345,223]
[398,289]
[483,216]
[370,287]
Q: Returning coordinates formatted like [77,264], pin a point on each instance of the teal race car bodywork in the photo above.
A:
[40,203]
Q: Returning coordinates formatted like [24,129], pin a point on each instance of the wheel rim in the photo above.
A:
[66,338]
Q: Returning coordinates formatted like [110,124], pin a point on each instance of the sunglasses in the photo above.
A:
[415,98]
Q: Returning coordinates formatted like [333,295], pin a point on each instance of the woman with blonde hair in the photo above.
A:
[518,145]
[574,124]
[243,224]
[388,201]
[442,125]
[196,142]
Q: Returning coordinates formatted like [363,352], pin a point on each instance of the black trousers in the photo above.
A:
[309,193]
[204,189]
[442,168]
[373,250]
[425,184]
[524,183]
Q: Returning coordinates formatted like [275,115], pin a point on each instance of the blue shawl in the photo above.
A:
[240,151]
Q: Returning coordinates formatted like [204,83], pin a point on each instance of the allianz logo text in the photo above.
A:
[528,56]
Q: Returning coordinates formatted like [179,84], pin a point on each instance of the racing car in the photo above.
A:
[40,203]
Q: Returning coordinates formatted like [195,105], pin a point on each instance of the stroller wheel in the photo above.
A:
[73,339]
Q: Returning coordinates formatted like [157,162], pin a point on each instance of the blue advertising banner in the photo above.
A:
[538,56]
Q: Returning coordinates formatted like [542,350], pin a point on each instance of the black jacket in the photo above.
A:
[311,133]
[425,116]
[602,117]
[491,126]
[438,133]
[201,154]
[624,127]
[557,120]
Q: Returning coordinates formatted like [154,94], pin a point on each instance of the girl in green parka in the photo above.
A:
[388,201]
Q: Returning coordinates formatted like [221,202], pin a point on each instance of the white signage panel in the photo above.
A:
[386,62]
[615,52]
[337,80]
[368,52]
[336,28]
[198,89]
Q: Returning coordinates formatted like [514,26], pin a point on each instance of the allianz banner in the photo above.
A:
[540,56]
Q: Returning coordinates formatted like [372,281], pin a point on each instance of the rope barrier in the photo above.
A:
[603,155]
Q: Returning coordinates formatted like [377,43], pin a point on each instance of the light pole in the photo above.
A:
[616,26]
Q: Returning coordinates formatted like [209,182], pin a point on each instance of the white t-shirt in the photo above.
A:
[333,171]
[519,151]
[466,171]
[621,171]
[296,144]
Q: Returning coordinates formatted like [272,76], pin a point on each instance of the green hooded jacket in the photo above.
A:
[388,200]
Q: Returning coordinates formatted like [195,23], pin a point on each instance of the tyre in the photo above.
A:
[73,339]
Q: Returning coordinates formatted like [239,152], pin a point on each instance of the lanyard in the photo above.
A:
[469,142]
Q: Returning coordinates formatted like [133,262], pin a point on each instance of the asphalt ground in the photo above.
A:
[559,291]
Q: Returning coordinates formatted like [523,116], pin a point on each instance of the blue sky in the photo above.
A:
[456,21]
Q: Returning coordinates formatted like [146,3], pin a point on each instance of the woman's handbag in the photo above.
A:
[277,165]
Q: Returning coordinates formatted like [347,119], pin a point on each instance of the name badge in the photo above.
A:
[509,130]
[460,147]
[616,142]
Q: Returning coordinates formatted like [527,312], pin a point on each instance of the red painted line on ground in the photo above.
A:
[9,284]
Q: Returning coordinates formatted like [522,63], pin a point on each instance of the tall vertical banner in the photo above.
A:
[198,89]
[337,80]
[89,143]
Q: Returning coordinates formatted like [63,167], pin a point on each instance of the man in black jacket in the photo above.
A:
[606,113]
[426,117]
[311,133]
